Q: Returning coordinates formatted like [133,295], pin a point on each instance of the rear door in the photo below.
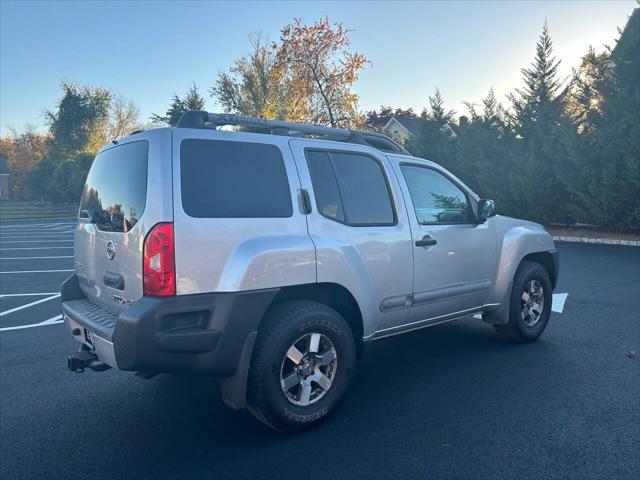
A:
[360,228]
[120,203]
[238,224]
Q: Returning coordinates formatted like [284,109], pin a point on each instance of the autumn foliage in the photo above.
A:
[306,76]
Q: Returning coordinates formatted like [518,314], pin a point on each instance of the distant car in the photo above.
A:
[271,257]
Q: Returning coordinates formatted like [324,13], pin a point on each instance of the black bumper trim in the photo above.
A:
[145,336]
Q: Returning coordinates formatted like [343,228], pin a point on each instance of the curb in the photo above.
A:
[600,241]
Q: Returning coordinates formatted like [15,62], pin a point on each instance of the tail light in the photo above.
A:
[158,265]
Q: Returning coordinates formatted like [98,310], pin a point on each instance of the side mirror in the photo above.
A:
[486,209]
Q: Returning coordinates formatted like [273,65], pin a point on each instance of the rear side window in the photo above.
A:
[223,179]
[350,188]
[115,193]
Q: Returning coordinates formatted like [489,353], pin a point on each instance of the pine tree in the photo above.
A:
[615,157]
[485,148]
[192,101]
[438,113]
[584,100]
[584,106]
[535,105]
[544,139]
[436,140]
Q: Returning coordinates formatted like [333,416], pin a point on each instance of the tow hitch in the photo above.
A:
[85,358]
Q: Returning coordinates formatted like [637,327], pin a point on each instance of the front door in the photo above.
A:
[454,256]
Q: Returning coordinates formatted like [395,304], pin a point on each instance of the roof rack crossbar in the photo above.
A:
[198,119]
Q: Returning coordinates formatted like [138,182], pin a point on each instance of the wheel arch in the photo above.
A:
[545,259]
[331,294]
[336,296]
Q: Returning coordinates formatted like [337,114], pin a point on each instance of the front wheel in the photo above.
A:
[303,362]
[530,306]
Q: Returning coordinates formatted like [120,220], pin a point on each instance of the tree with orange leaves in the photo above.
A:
[305,77]
[322,70]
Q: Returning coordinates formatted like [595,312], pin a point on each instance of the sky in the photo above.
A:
[148,50]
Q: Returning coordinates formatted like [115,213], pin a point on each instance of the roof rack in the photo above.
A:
[199,119]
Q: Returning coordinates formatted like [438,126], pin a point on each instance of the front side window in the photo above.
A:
[436,199]
[226,179]
[350,188]
[115,192]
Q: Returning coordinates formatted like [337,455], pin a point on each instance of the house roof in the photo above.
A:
[4,170]
[410,124]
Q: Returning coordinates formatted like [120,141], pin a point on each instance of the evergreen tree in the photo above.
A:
[438,113]
[192,101]
[584,100]
[583,104]
[486,158]
[614,191]
[545,139]
[436,139]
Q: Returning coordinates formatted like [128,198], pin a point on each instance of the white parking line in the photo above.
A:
[38,241]
[38,229]
[27,294]
[31,225]
[557,304]
[34,271]
[22,307]
[31,248]
[43,235]
[33,258]
[44,231]
[50,321]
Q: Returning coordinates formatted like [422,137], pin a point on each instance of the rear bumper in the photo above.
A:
[202,333]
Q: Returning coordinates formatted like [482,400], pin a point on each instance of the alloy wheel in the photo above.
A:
[308,369]
[532,303]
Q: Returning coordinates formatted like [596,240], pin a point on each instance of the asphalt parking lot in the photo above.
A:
[453,401]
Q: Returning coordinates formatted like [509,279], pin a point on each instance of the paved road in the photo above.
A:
[452,401]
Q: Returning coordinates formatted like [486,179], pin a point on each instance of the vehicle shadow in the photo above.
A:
[395,373]
[436,380]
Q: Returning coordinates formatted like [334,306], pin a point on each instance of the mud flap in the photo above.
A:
[234,388]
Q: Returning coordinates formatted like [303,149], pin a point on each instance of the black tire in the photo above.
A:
[517,330]
[283,324]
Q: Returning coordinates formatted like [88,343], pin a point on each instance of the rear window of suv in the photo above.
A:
[226,179]
[115,192]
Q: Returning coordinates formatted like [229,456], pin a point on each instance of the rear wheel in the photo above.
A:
[302,364]
[530,305]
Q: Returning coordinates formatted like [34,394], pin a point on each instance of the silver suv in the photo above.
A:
[270,257]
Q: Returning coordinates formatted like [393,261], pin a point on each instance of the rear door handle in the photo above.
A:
[427,241]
